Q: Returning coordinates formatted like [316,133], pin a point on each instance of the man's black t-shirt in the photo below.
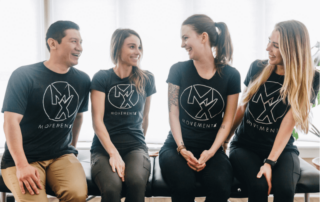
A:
[202,102]
[49,103]
[265,112]
[124,108]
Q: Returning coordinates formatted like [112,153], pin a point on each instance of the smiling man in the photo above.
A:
[43,109]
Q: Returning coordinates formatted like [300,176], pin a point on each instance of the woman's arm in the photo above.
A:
[145,121]
[98,107]
[237,120]
[173,104]
[232,102]
[279,144]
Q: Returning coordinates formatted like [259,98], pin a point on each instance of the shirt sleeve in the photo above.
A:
[99,82]
[85,102]
[234,83]
[150,87]
[17,93]
[174,75]
[315,86]
[254,69]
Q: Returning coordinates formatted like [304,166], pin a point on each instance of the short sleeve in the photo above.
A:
[85,102]
[99,81]
[17,93]
[315,86]
[234,83]
[254,69]
[248,77]
[174,75]
[150,85]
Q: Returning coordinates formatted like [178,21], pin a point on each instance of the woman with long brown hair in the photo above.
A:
[278,97]
[121,99]
[203,95]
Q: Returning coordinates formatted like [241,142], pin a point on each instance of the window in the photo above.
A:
[250,22]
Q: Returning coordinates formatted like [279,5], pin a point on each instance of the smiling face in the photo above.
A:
[131,51]
[191,41]
[275,57]
[70,49]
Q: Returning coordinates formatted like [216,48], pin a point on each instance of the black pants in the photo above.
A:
[285,175]
[216,178]
[137,170]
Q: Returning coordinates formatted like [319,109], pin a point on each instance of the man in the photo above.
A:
[43,109]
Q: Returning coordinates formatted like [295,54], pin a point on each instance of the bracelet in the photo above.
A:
[180,148]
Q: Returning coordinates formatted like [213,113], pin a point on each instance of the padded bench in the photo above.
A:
[156,187]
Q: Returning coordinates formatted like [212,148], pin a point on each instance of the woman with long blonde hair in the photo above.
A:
[121,99]
[278,97]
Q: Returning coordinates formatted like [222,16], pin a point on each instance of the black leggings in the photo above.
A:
[216,178]
[137,170]
[285,175]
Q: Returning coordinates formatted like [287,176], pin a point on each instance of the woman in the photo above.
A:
[278,97]
[203,95]
[120,99]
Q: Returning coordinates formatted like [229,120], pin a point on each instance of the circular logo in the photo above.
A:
[123,96]
[60,101]
[201,102]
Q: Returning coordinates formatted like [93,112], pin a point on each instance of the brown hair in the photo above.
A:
[137,76]
[221,42]
[295,51]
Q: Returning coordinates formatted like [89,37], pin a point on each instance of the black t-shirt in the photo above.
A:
[49,103]
[264,113]
[124,108]
[202,102]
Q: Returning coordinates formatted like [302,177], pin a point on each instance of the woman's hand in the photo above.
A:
[267,172]
[117,165]
[155,154]
[192,162]
[225,147]
[189,158]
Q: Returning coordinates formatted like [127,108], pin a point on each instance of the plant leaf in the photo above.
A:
[295,134]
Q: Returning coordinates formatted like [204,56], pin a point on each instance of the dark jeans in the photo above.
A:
[216,178]
[137,171]
[285,175]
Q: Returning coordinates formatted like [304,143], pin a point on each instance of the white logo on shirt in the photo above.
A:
[123,96]
[267,107]
[60,101]
[201,106]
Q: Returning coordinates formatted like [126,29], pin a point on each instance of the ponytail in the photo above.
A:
[220,41]
[223,45]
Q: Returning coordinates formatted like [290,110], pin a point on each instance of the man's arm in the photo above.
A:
[76,129]
[27,175]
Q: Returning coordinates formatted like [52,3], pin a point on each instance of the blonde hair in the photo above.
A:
[295,50]
[137,76]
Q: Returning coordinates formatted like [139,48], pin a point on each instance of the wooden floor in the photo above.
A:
[297,199]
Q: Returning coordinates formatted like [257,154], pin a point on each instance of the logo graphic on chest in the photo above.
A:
[123,96]
[201,102]
[60,101]
[266,105]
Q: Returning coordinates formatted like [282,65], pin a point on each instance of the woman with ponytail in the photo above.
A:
[203,95]
[278,97]
[121,99]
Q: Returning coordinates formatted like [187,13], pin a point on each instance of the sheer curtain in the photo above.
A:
[250,22]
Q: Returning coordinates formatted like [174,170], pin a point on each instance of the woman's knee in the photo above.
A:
[259,185]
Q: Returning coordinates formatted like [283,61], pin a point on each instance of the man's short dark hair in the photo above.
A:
[56,30]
